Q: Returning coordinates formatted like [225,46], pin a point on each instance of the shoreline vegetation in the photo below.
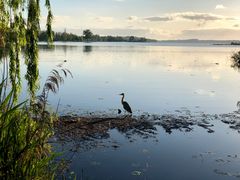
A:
[90,37]
[233,43]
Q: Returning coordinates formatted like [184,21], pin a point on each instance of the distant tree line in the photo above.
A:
[58,36]
[88,36]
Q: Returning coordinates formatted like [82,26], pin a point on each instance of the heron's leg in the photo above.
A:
[129,115]
[125,115]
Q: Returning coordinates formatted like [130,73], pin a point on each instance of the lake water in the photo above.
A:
[180,155]
[157,79]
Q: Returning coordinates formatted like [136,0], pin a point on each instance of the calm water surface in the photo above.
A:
[193,155]
[156,79]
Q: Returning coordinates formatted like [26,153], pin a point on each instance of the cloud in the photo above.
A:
[220,6]
[195,16]
[192,16]
[156,18]
[133,18]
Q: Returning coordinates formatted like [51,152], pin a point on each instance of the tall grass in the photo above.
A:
[24,151]
[25,131]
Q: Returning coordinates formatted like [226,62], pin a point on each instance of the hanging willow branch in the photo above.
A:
[33,29]
[19,29]
[49,23]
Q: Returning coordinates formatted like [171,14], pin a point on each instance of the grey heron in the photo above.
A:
[125,104]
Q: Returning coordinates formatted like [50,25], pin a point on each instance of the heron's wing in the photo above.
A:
[127,107]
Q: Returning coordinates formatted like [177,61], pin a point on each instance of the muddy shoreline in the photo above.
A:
[96,127]
[90,134]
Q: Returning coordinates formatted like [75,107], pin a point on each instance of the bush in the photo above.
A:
[236,60]
[24,151]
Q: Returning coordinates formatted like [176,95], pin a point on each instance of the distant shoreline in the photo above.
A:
[69,37]
[208,42]
[229,44]
[170,42]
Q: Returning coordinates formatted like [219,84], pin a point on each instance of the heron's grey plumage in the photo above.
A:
[126,106]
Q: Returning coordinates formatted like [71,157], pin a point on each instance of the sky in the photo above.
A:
[157,19]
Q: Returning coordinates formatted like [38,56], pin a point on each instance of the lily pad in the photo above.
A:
[136,173]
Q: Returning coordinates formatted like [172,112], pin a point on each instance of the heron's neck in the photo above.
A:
[122,98]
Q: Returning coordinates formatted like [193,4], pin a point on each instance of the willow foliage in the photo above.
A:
[24,151]
[19,30]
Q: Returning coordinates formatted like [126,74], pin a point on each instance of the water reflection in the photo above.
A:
[166,78]
[87,49]
[141,148]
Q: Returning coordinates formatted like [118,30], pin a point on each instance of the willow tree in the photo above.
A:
[24,151]
[19,30]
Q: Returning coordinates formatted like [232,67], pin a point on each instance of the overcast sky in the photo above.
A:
[158,19]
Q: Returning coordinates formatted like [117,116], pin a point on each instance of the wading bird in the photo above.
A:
[125,104]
